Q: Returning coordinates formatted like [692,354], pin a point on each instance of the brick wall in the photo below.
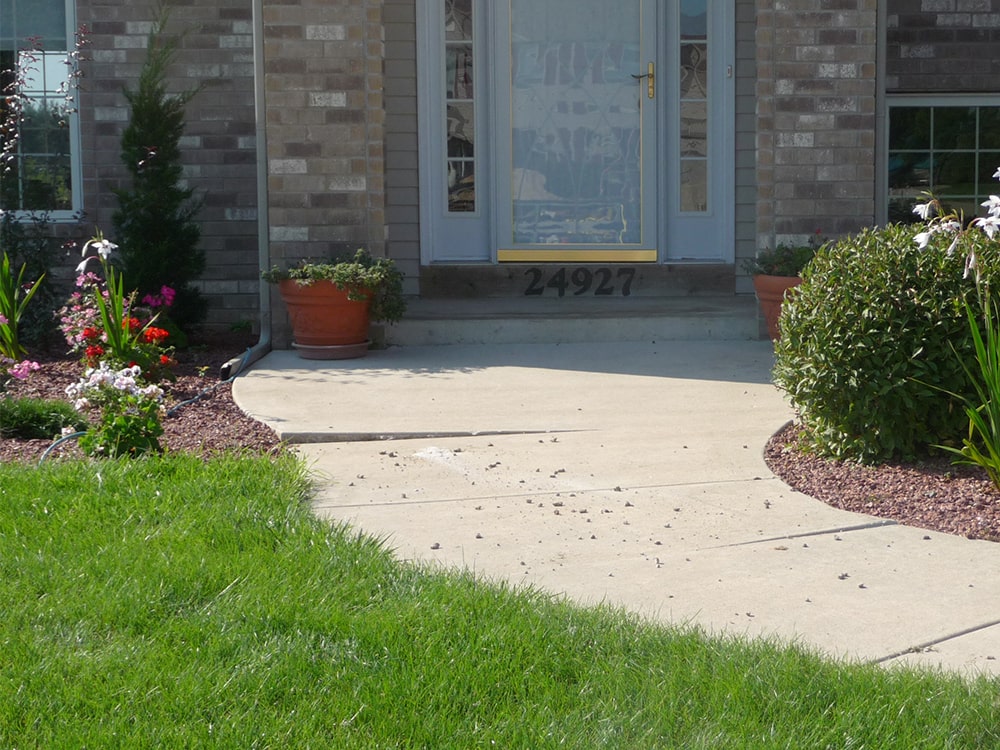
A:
[218,146]
[816,94]
[325,117]
[942,45]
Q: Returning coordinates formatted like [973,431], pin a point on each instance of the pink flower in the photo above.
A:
[3,320]
[23,369]
[164,299]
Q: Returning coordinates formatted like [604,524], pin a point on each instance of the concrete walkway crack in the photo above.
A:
[928,644]
[820,532]
[312,438]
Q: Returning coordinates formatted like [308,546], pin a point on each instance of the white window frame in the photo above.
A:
[75,142]
[445,236]
[923,101]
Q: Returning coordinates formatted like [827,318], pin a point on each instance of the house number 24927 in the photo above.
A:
[601,282]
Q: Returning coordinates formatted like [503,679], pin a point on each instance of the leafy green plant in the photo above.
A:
[28,239]
[35,418]
[15,295]
[866,351]
[783,260]
[130,413]
[361,275]
[981,447]
[155,222]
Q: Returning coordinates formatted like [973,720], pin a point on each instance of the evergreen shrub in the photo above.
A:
[868,344]
[155,225]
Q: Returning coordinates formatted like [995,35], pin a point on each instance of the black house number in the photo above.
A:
[601,282]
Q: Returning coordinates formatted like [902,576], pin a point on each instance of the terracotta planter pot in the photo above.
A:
[771,291]
[325,323]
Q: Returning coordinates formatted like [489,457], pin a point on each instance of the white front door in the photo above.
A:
[576,131]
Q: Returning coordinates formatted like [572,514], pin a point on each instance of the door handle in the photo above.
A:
[650,76]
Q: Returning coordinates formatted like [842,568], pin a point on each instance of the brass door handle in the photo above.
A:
[650,76]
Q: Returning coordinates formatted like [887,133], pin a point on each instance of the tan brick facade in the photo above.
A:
[947,46]
[219,143]
[341,116]
[816,97]
[323,84]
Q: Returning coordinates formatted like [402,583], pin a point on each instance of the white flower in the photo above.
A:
[971,264]
[989,224]
[922,239]
[923,210]
[103,247]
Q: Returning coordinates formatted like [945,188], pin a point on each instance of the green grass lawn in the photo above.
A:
[174,603]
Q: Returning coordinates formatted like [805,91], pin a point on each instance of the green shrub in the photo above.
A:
[866,351]
[35,418]
[155,224]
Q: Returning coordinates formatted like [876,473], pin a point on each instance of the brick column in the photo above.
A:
[816,64]
[325,120]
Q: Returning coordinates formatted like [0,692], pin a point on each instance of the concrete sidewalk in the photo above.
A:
[625,473]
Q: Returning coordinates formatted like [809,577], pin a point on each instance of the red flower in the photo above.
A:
[94,351]
[154,335]
[91,334]
[132,324]
[165,360]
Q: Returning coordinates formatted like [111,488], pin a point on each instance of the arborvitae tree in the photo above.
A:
[154,225]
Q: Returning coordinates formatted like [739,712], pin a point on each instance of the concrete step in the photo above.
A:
[524,320]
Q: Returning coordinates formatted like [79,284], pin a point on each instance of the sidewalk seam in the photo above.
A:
[927,644]
[820,532]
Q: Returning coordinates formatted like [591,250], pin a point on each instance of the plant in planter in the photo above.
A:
[774,272]
[331,303]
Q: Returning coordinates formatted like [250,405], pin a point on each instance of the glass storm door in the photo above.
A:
[576,87]
[576,131]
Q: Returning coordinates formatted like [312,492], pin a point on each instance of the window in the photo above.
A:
[37,106]
[947,146]
[461,107]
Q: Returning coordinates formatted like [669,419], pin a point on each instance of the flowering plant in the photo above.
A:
[101,323]
[10,368]
[981,447]
[130,412]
